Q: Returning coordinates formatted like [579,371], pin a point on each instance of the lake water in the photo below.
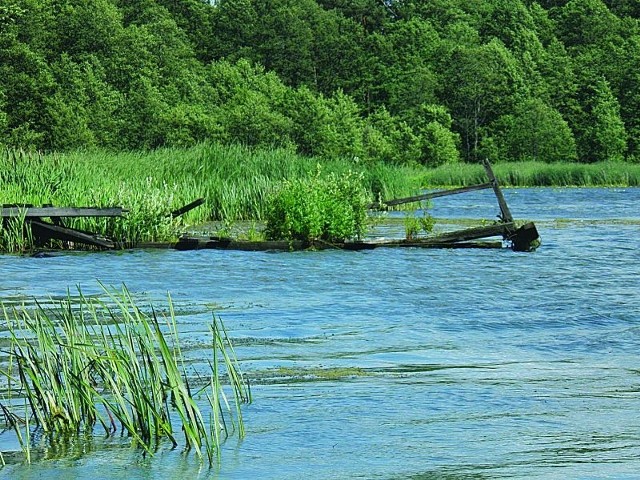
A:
[400,363]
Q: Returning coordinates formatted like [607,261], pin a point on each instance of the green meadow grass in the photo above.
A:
[234,181]
[538,174]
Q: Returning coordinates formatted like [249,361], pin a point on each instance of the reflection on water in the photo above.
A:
[421,364]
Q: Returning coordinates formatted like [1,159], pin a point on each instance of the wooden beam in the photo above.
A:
[505,213]
[470,234]
[44,231]
[51,212]
[186,208]
[427,196]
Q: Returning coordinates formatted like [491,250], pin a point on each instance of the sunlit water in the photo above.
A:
[466,363]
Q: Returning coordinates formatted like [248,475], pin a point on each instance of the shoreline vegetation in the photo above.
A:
[537,174]
[236,182]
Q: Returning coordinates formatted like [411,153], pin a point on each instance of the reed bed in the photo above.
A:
[539,174]
[86,364]
[234,181]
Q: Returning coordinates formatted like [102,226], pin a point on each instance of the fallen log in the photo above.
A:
[503,229]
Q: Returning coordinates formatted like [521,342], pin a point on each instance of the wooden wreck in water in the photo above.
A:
[524,238]
[521,239]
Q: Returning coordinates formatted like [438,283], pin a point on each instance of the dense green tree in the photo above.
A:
[402,81]
[234,23]
[390,139]
[604,137]
[483,83]
[343,133]
[582,23]
[309,114]
[621,8]
[535,131]
[4,120]
[438,144]
[372,15]
[406,75]
[195,18]
[27,82]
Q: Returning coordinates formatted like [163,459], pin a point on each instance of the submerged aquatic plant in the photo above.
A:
[87,364]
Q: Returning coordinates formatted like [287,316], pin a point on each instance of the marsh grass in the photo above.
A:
[234,181]
[89,364]
[14,234]
[538,174]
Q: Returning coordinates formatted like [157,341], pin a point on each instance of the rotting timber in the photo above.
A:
[44,231]
[521,239]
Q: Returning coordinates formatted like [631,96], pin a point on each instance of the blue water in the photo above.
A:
[471,363]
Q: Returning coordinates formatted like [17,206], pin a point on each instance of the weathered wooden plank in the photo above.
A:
[44,231]
[186,208]
[33,212]
[197,243]
[427,196]
[505,213]
[471,233]
[449,240]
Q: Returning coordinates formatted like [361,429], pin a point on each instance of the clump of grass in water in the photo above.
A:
[15,235]
[414,225]
[86,364]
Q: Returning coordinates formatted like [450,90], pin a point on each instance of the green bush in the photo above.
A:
[330,208]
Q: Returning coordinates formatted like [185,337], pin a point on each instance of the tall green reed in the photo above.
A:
[84,364]
[536,174]
[234,181]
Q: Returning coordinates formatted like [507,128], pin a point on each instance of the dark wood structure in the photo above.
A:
[43,231]
[524,238]
[521,239]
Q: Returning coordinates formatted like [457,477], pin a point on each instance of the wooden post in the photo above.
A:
[505,213]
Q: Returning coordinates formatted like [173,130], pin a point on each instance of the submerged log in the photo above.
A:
[223,243]
[286,246]
[503,229]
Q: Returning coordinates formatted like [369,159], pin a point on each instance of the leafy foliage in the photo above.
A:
[330,208]
[328,78]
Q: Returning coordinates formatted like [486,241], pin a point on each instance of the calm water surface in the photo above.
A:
[399,363]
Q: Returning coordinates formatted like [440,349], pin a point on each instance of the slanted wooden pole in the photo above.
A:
[186,208]
[505,213]
[427,196]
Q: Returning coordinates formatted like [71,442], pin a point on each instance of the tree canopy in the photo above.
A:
[403,81]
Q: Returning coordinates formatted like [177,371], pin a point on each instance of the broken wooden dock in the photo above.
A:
[519,238]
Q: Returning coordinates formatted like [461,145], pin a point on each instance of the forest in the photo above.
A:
[401,81]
